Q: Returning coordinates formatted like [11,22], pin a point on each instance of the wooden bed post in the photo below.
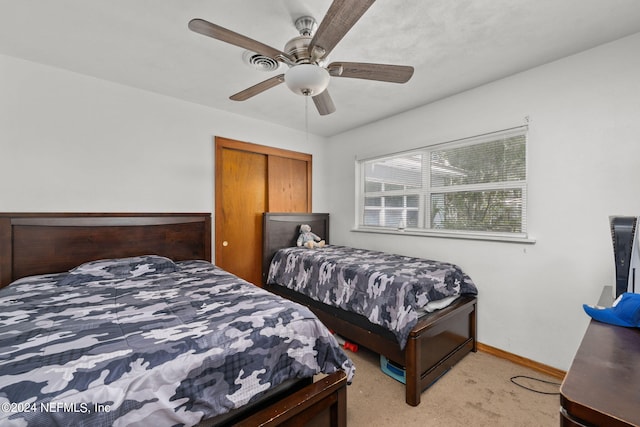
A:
[473,327]
[412,374]
[338,411]
[5,251]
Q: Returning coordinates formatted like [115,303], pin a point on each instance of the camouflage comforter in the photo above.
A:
[146,341]
[387,289]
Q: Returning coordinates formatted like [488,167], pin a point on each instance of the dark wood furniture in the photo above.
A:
[435,344]
[39,243]
[602,386]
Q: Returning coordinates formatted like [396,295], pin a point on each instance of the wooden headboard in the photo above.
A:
[40,243]
[281,230]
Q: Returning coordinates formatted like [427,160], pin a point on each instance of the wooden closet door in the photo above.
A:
[252,179]
[239,218]
[289,189]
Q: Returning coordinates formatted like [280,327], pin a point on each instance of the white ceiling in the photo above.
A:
[453,45]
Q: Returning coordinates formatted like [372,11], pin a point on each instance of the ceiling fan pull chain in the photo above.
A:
[306,117]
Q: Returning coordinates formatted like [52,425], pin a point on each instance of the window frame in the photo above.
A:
[427,190]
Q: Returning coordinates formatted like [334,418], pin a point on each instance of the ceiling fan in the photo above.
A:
[306,55]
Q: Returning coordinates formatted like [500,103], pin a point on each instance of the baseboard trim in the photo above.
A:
[523,361]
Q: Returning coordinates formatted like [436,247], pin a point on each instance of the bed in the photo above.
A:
[77,286]
[435,343]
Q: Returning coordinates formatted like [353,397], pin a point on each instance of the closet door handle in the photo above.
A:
[225,243]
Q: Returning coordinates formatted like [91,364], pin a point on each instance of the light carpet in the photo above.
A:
[478,391]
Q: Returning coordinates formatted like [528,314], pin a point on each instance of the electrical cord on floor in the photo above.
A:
[513,380]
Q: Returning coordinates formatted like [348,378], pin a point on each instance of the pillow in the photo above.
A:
[118,268]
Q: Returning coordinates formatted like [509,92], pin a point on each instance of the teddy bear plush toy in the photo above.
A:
[309,239]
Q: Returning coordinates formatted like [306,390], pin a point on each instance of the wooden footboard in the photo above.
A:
[295,406]
[435,344]
[299,408]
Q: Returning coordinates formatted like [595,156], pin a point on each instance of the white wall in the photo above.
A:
[74,143]
[69,143]
[584,165]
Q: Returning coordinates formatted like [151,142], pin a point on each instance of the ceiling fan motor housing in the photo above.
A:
[298,49]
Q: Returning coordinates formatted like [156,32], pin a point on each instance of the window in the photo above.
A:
[471,186]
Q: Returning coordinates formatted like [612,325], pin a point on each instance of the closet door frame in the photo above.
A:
[280,156]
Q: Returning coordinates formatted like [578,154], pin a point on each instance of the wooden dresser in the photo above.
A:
[602,387]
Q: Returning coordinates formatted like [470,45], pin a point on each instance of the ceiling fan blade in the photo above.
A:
[341,16]
[217,32]
[363,70]
[259,88]
[324,103]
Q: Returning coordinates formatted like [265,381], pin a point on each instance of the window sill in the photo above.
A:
[447,234]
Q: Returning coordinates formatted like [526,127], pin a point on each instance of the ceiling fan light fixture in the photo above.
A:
[307,79]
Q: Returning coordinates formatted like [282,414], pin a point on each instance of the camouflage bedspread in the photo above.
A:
[387,289]
[149,342]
